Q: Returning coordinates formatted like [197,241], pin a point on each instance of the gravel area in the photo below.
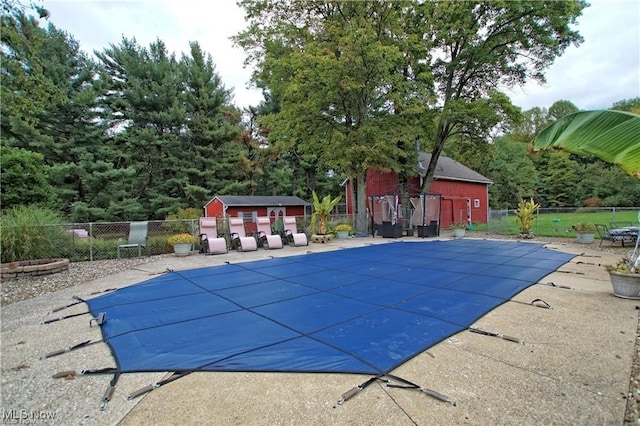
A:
[27,288]
[15,290]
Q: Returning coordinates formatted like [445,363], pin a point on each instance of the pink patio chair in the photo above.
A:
[291,233]
[239,239]
[265,239]
[210,241]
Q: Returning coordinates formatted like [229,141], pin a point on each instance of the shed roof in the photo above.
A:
[260,200]
[449,169]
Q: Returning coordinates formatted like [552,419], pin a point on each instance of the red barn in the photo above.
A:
[250,207]
[464,193]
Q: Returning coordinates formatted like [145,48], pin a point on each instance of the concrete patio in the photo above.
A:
[573,367]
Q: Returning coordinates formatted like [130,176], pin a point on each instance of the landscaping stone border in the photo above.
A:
[31,268]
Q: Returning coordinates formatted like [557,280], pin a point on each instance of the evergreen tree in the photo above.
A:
[172,124]
[209,159]
[24,178]
[513,173]
[55,114]
[558,181]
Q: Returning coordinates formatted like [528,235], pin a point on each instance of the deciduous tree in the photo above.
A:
[348,79]
[481,46]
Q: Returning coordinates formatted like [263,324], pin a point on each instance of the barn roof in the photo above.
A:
[260,200]
[449,169]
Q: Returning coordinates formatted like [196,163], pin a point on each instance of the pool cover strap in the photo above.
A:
[410,385]
[149,388]
[108,394]
[67,349]
[73,373]
[492,334]
[356,390]
[49,321]
[405,384]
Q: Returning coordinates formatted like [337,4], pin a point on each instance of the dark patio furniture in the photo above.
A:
[621,235]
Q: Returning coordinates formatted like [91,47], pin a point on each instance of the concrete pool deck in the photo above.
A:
[573,367]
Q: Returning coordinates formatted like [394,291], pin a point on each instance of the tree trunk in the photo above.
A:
[443,133]
[322,225]
[359,189]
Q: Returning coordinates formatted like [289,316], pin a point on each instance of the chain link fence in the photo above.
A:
[498,222]
[558,221]
[100,240]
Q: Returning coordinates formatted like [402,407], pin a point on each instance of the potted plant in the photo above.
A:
[321,211]
[625,277]
[584,232]
[343,230]
[182,243]
[458,229]
[525,213]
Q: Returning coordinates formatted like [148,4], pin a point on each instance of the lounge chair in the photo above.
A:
[137,238]
[210,241]
[291,233]
[265,239]
[239,239]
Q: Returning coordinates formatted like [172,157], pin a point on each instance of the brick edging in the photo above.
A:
[32,268]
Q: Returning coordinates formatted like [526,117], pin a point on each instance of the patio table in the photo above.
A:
[627,233]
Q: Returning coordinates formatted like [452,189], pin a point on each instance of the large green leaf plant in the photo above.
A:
[612,136]
[321,211]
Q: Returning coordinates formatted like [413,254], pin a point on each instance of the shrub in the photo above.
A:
[178,222]
[31,232]
[343,227]
[592,202]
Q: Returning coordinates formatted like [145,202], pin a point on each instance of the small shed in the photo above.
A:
[464,192]
[249,207]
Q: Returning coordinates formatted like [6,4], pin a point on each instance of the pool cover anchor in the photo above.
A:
[356,390]
[539,303]
[99,320]
[108,394]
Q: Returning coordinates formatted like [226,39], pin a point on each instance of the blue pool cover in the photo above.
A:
[359,310]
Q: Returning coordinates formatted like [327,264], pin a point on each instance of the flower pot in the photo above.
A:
[625,285]
[459,232]
[343,234]
[584,237]
[182,249]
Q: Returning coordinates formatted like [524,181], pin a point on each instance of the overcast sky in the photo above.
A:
[603,70]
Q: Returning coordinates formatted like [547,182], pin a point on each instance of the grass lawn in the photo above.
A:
[559,224]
